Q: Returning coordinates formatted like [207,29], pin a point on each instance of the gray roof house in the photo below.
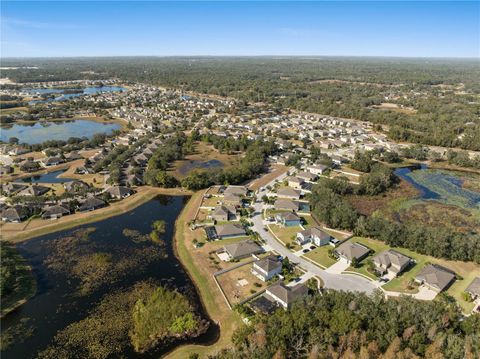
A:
[282,204]
[75,186]
[347,251]
[232,200]
[34,190]
[307,176]
[287,219]
[55,211]
[474,288]
[294,182]
[267,268]
[391,261]
[313,235]
[236,190]
[287,192]
[91,204]
[435,277]
[229,230]
[15,214]
[222,213]
[119,192]
[242,249]
[285,295]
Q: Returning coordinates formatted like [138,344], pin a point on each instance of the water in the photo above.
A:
[54,306]
[50,177]
[439,185]
[63,96]
[40,132]
[195,164]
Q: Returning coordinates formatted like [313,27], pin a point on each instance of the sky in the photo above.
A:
[158,28]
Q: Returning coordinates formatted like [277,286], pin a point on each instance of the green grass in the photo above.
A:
[320,256]
[286,235]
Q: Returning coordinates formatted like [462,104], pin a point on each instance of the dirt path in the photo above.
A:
[275,171]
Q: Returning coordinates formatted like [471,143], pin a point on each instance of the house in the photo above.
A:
[232,200]
[267,268]
[285,295]
[286,205]
[474,288]
[241,249]
[34,190]
[313,235]
[287,192]
[435,277]
[55,211]
[223,213]
[287,219]
[76,186]
[318,169]
[5,170]
[29,166]
[348,251]
[307,176]
[294,182]
[15,214]
[91,204]
[229,230]
[52,161]
[73,155]
[391,261]
[235,190]
[11,188]
[119,192]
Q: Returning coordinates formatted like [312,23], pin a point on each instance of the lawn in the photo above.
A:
[286,235]
[210,202]
[320,256]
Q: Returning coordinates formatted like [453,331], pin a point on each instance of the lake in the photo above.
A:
[440,185]
[50,177]
[65,96]
[56,304]
[39,132]
[196,164]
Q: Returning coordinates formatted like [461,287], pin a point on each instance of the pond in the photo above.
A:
[39,132]
[440,185]
[64,95]
[50,177]
[196,164]
[57,302]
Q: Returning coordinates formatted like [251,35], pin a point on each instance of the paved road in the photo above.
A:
[344,282]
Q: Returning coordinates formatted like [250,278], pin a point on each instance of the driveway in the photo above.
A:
[338,268]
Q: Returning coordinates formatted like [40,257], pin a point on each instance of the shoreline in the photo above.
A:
[50,226]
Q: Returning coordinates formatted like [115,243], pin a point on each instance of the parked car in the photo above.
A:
[306,250]
[312,247]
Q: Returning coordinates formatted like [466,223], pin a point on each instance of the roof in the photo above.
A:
[14,213]
[287,294]
[352,250]
[474,287]
[315,231]
[436,276]
[232,198]
[75,185]
[229,229]
[55,209]
[286,204]
[119,191]
[288,192]
[307,175]
[91,202]
[243,248]
[288,216]
[391,258]
[294,179]
[319,167]
[269,264]
[236,190]
[263,304]
[34,190]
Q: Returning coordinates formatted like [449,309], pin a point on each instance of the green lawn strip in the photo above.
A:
[320,255]
[286,235]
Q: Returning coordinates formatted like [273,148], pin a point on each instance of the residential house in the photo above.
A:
[55,211]
[435,277]
[75,186]
[229,230]
[285,295]
[287,219]
[317,169]
[307,176]
[223,213]
[119,192]
[5,170]
[282,204]
[294,182]
[287,192]
[91,204]
[313,235]
[236,190]
[34,190]
[391,261]
[267,268]
[52,161]
[11,188]
[15,214]
[474,288]
[232,200]
[241,249]
[348,251]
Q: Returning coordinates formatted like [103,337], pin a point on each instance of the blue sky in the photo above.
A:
[81,28]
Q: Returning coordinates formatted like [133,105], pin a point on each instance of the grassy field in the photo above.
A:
[320,256]
[286,235]
[210,294]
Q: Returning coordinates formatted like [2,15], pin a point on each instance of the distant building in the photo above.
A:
[267,268]
[285,295]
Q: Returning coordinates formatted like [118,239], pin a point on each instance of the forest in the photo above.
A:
[435,102]
[345,325]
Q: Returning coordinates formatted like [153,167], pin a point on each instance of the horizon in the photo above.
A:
[240,29]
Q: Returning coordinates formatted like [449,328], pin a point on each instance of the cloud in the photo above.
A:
[13,22]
